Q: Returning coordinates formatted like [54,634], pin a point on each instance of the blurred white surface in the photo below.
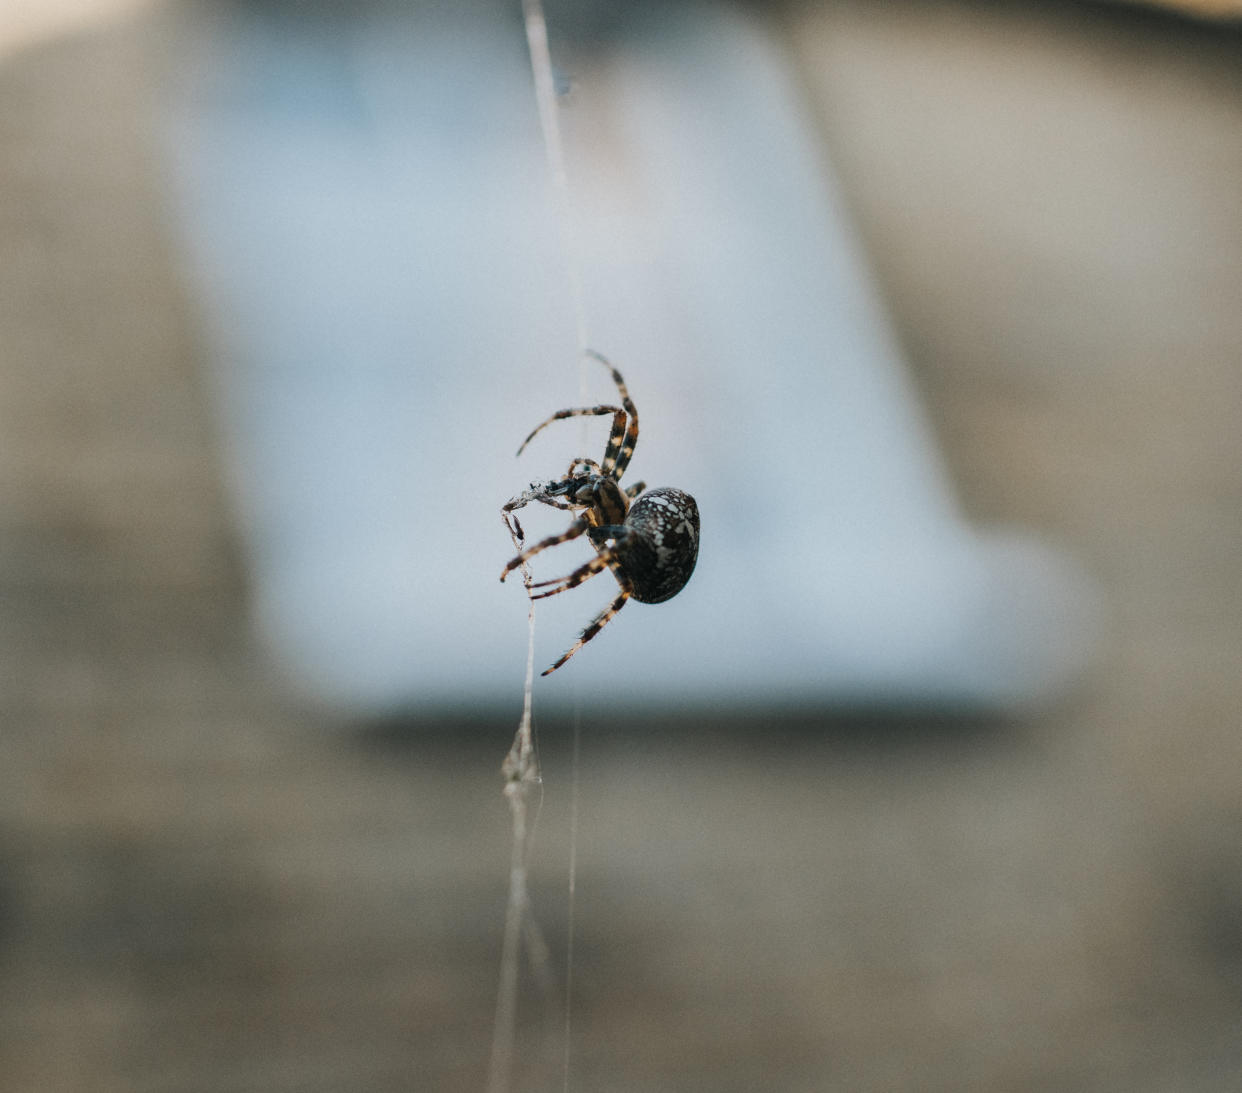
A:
[366,202]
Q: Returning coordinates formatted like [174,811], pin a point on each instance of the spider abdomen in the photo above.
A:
[661,544]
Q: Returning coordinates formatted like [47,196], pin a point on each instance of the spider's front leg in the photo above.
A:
[538,491]
[546,493]
[572,532]
[514,527]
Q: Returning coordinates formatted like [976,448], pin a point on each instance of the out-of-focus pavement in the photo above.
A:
[204,886]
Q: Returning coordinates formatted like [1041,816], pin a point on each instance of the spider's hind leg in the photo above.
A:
[618,424]
[599,622]
[621,445]
[583,573]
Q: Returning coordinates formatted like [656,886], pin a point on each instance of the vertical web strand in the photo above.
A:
[521,771]
[573,886]
[521,766]
[549,122]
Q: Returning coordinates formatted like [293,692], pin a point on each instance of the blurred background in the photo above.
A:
[929,779]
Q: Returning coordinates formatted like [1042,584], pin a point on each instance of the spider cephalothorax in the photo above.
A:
[650,542]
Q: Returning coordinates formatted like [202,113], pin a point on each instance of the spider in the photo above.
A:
[650,543]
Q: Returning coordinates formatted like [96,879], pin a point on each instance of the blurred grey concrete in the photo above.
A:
[205,886]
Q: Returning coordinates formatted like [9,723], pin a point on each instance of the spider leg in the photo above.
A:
[515,528]
[577,577]
[599,622]
[541,494]
[620,446]
[572,532]
[633,491]
[618,424]
[557,503]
